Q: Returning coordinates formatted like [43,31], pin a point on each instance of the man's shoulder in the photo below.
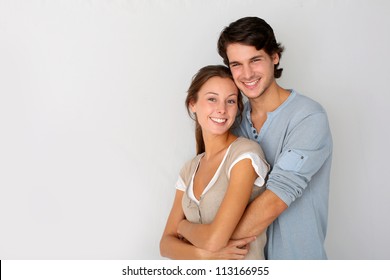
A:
[306,103]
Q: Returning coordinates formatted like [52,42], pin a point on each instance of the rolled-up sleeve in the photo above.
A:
[307,146]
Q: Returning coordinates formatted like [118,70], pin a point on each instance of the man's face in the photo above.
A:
[253,70]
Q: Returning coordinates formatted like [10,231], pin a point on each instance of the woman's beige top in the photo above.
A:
[204,210]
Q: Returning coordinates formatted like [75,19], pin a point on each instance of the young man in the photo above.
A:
[294,133]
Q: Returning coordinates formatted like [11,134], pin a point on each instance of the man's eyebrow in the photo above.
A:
[258,56]
[253,57]
[234,62]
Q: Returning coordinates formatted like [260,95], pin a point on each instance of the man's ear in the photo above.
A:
[275,58]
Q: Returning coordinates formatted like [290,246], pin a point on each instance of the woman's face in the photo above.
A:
[216,107]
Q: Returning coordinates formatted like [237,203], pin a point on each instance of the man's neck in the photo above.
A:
[269,101]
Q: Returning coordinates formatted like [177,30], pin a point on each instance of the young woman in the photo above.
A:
[215,187]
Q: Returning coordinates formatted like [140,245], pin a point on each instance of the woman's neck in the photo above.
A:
[217,144]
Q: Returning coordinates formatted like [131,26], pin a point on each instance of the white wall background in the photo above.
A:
[93,130]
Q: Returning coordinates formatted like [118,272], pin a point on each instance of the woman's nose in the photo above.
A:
[221,108]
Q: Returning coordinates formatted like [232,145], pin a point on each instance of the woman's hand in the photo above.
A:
[234,250]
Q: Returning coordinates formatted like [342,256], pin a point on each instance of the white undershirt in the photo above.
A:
[256,163]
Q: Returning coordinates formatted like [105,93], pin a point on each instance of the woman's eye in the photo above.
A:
[232,101]
[211,99]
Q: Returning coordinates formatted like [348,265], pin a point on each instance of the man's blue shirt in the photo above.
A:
[297,143]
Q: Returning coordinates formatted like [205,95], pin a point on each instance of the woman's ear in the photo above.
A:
[192,106]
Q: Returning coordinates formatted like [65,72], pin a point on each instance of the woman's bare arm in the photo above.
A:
[215,236]
[174,247]
[171,246]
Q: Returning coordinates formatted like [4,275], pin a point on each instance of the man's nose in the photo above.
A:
[247,71]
